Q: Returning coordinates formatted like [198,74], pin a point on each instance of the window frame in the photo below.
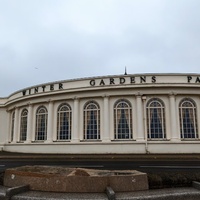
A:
[192,111]
[12,126]
[155,112]
[60,114]
[41,135]
[89,120]
[23,125]
[118,116]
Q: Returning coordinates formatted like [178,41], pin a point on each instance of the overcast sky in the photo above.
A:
[50,40]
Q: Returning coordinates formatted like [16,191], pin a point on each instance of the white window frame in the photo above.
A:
[117,115]
[160,108]
[88,108]
[193,110]
[23,125]
[64,109]
[41,112]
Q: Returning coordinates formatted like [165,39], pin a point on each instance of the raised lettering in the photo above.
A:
[142,79]
[122,80]
[92,82]
[112,81]
[189,78]
[132,79]
[24,92]
[102,82]
[51,87]
[60,86]
[43,88]
[153,79]
[197,80]
[36,90]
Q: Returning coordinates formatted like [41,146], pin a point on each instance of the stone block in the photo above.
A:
[60,179]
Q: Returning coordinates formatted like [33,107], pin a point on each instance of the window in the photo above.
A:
[188,119]
[64,119]
[12,126]
[23,126]
[41,124]
[91,121]
[155,119]
[122,120]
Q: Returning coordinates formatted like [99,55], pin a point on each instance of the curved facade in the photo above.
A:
[125,114]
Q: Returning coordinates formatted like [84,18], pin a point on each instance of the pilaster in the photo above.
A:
[106,119]
[140,123]
[173,118]
[75,121]
[50,122]
[16,126]
[29,123]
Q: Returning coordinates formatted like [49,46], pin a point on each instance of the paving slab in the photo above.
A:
[187,193]
[162,194]
[2,191]
[59,196]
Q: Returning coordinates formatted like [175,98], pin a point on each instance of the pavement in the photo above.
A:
[184,193]
[187,193]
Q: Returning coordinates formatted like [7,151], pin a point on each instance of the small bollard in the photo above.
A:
[15,190]
[196,185]
[110,193]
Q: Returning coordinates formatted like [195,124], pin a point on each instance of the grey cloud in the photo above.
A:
[67,39]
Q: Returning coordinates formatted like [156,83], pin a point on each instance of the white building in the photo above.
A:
[125,114]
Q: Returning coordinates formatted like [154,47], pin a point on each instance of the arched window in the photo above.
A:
[41,124]
[64,120]
[91,121]
[122,120]
[155,119]
[188,119]
[23,126]
[12,125]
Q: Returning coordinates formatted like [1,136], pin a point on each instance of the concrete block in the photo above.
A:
[10,192]
[16,190]
[110,193]
[60,179]
[196,185]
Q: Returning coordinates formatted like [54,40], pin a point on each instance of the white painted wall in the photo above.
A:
[77,92]
[4,127]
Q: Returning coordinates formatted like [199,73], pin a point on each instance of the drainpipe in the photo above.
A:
[145,124]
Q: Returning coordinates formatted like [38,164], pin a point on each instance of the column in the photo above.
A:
[9,126]
[75,121]
[140,123]
[50,122]
[106,120]
[173,119]
[16,126]
[29,123]
[144,98]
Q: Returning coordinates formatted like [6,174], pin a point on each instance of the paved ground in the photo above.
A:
[161,194]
